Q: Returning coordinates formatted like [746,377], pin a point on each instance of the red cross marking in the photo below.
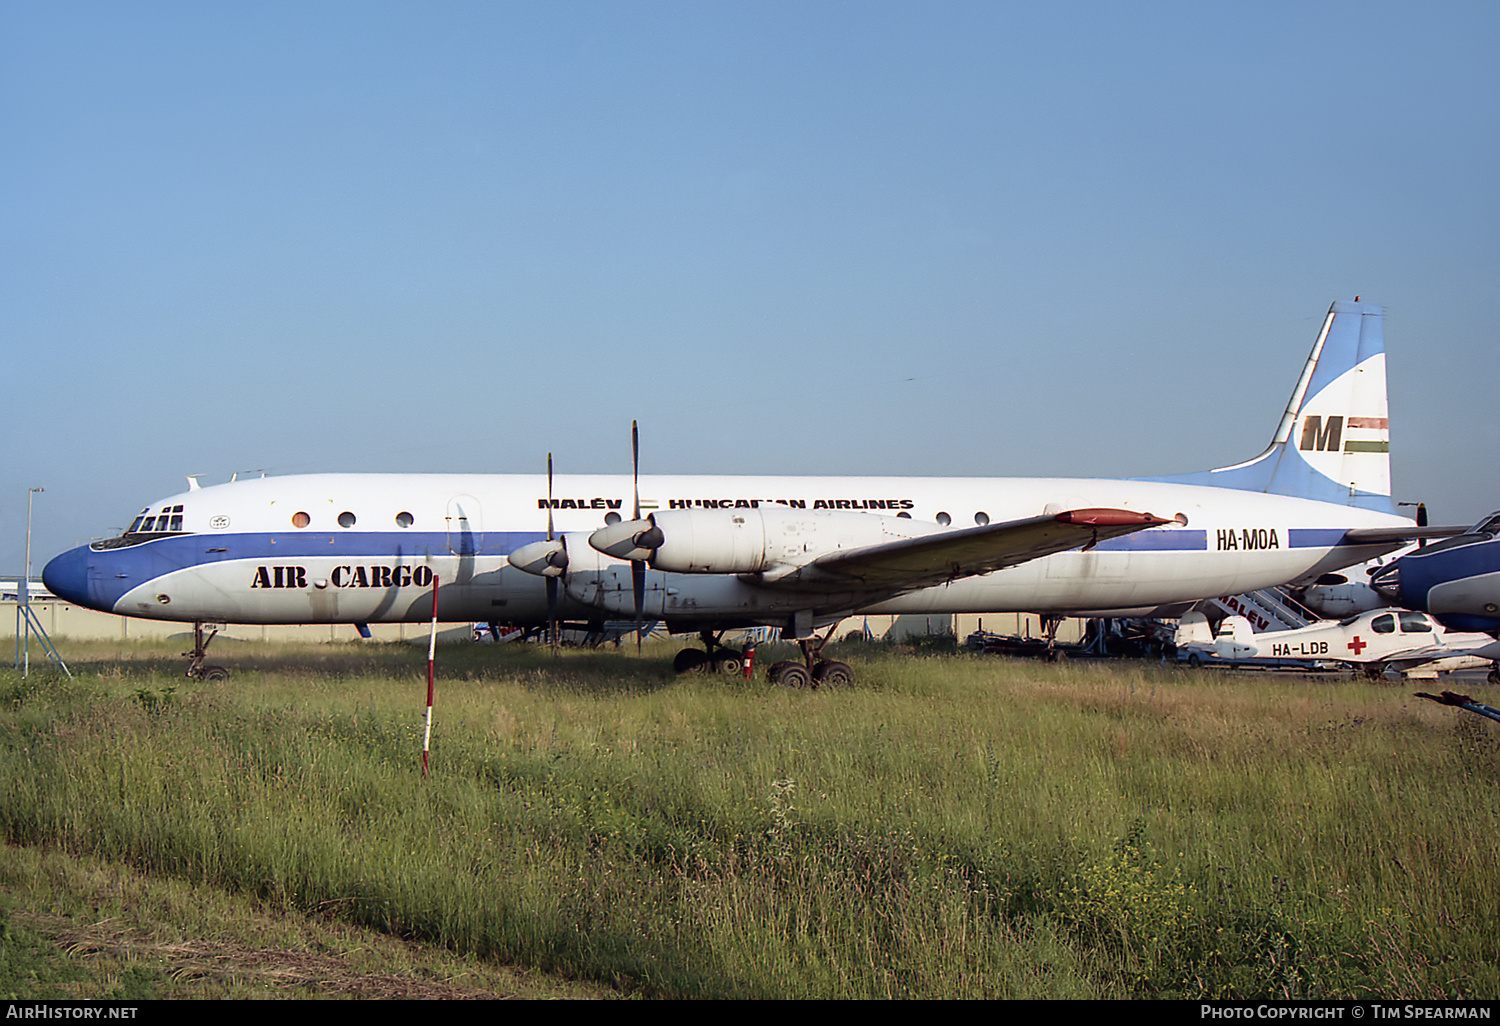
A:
[1357,645]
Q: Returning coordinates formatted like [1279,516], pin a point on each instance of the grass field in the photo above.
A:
[952,826]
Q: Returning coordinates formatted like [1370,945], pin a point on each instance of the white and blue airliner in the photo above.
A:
[710,553]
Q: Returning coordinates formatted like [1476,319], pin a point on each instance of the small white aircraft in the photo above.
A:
[1399,639]
[713,553]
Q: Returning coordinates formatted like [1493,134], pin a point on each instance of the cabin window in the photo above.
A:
[346,519]
[300,519]
[1383,624]
[944,519]
[404,520]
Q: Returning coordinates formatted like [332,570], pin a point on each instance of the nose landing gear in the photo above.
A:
[198,667]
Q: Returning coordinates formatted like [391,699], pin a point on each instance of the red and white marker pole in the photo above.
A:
[431,654]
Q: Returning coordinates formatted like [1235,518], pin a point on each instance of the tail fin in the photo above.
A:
[1333,442]
[1193,628]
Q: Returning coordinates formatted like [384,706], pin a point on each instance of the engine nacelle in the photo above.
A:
[747,540]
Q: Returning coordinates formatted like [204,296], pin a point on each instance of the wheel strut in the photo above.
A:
[196,658]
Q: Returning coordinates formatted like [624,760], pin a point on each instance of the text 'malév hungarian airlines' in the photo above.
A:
[714,552]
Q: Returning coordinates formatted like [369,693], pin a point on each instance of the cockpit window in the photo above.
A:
[166,521]
[1414,623]
[148,526]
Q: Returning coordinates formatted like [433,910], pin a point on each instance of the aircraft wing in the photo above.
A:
[908,564]
[1430,653]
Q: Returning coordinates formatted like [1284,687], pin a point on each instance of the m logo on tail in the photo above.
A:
[1316,437]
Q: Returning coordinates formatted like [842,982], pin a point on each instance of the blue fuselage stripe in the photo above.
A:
[1157,541]
[1314,537]
[113,572]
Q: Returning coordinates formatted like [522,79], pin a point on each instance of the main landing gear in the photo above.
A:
[197,666]
[1054,654]
[814,671]
[810,672]
[712,658]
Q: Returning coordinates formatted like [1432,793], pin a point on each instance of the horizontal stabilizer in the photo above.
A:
[1379,535]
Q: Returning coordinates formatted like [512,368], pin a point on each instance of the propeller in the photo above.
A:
[547,558]
[552,563]
[637,566]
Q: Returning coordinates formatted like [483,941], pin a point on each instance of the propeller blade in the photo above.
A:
[551,578]
[552,611]
[638,582]
[637,567]
[549,497]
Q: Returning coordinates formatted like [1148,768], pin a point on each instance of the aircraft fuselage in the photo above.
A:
[365,548]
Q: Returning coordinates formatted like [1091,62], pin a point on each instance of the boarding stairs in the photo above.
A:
[1271,609]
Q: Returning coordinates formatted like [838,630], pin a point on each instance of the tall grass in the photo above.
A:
[952,826]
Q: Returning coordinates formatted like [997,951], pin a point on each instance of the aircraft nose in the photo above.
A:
[67,576]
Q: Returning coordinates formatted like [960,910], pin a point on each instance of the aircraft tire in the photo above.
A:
[1374,671]
[1194,662]
[833,674]
[773,672]
[794,675]
[690,660]
[214,673]
[1494,675]
[729,662]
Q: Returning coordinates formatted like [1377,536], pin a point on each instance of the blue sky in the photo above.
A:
[896,238]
